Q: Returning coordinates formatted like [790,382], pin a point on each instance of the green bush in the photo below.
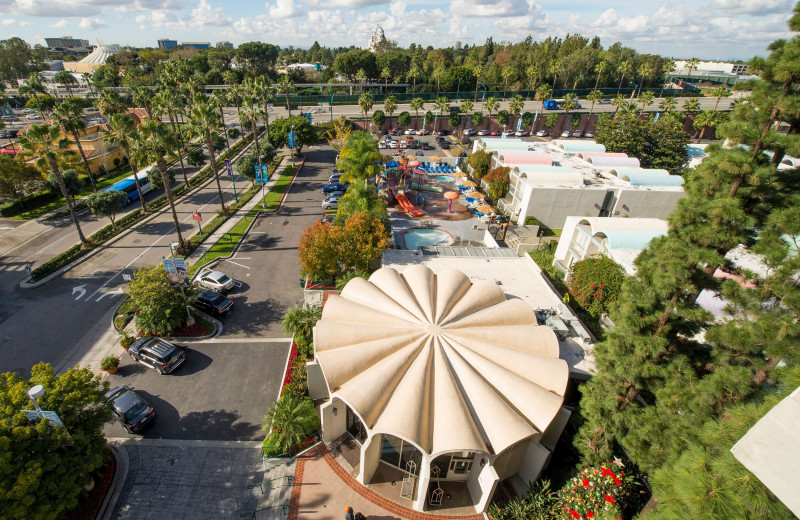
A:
[480,162]
[595,284]
[499,181]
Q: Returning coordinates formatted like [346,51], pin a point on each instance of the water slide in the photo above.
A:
[407,206]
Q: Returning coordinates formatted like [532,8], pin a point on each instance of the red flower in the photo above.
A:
[589,514]
[585,482]
[610,499]
[574,514]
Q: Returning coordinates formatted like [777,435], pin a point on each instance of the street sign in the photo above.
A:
[127,274]
[176,272]
[263,176]
[33,416]
[307,115]
[228,166]
[197,216]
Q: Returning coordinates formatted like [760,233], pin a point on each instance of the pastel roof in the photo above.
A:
[528,158]
[440,361]
[608,162]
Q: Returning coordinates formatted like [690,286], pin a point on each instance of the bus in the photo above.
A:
[128,187]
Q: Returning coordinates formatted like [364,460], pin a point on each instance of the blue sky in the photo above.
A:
[711,29]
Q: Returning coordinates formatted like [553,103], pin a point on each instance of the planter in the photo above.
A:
[112,370]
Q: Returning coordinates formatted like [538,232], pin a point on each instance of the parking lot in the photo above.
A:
[221,392]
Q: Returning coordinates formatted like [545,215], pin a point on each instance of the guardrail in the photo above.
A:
[261,484]
[252,514]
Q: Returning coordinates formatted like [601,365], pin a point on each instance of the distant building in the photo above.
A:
[197,45]
[166,45]
[224,45]
[376,39]
[307,67]
[93,61]
[725,67]
[66,42]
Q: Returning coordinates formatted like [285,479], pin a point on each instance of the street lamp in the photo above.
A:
[293,140]
[33,394]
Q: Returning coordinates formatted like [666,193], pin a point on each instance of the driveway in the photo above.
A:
[221,392]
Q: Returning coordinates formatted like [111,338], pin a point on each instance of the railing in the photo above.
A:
[252,514]
[311,440]
[261,484]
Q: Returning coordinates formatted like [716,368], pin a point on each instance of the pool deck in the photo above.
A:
[463,231]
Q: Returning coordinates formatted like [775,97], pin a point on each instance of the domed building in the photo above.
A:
[444,385]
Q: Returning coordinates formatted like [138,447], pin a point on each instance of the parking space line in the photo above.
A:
[235,263]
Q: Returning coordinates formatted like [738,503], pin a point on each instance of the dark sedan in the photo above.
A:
[130,408]
[213,302]
[335,186]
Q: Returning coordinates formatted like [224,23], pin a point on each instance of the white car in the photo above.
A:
[330,204]
[522,133]
[216,280]
[319,111]
[566,133]
[28,111]
[410,131]
[470,131]
[424,131]
[33,116]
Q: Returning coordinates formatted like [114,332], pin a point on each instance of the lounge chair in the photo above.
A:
[471,199]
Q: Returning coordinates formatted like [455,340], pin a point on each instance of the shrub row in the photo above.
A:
[15,208]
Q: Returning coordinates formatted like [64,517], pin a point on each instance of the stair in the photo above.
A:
[275,490]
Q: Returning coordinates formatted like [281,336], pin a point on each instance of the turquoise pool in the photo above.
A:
[416,237]
[445,178]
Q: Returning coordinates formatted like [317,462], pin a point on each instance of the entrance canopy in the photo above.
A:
[444,362]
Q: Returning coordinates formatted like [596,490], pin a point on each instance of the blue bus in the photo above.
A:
[128,187]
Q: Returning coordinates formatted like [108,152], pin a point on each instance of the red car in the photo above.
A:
[494,132]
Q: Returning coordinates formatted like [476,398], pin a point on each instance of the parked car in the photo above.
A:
[589,134]
[483,132]
[566,133]
[335,186]
[318,111]
[410,131]
[9,134]
[157,353]
[216,280]
[444,146]
[577,133]
[326,219]
[605,101]
[522,133]
[335,177]
[330,204]
[131,409]
[423,131]
[33,116]
[494,133]
[28,111]
[213,302]
[441,132]
[542,133]
[334,195]
[419,154]
[470,131]
[395,131]
[427,146]
[91,110]
[9,118]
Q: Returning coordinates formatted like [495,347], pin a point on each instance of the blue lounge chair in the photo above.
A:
[479,214]
[471,199]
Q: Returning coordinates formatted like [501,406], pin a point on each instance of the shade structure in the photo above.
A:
[653,180]
[485,208]
[469,184]
[414,163]
[586,155]
[519,158]
[621,172]
[578,146]
[436,158]
[452,195]
[458,173]
[611,162]
[446,363]
[476,195]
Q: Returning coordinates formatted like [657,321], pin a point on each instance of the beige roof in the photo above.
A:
[440,361]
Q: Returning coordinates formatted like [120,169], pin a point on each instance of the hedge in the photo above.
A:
[15,208]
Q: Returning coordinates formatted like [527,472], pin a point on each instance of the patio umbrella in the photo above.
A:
[450,196]
[476,195]
[392,164]
[485,208]
[414,163]
[435,158]
[468,184]
[458,173]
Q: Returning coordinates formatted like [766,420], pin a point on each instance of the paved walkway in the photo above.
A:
[323,490]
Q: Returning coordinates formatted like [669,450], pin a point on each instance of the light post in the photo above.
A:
[458,89]
[230,174]
[292,142]
[172,247]
[35,393]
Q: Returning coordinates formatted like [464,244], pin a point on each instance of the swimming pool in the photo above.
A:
[414,238]
[445,178]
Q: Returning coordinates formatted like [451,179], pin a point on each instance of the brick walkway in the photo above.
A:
[323,489]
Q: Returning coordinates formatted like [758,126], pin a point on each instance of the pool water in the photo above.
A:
[696,151]
[445,178]
[416,237]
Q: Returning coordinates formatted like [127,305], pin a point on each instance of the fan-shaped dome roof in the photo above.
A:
[438,360]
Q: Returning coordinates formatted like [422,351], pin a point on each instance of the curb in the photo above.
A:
[120,475]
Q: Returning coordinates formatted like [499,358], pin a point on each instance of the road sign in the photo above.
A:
[127,274]
[197,216]
[307,115]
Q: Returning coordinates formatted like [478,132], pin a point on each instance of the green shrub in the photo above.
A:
[109,362]
[480,162]
[498,180]
[595,284]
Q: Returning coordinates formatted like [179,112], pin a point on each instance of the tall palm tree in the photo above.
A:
[416,105]
[45,143]
[691,105]
[543,93]
[218,99]
[110,103]
[719,93]
[68,115]
[506,73]
[155,141]
[439,73]
[386,75]
[390,105]
[34,86]
[667,66]
[516,105]
[668,105]
[600,69]
[555,70]
[234,94]
[691,64]
[286,86]
[414,73]
[646,99]
[361,76]
[477,70]
[253,112]
[143,97]
[87,77]
[121,133]
[624,68]
[289,421]
[365,103]
[169,102]
[65,78]
[203,120]
[594,96]
[531,72]
[442,106]
[263,88]
[618,102]
[703,120]
[490,105]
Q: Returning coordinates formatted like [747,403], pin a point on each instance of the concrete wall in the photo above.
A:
[647,203]
[508,463]
[552,206]
[333,424]
[556,428]
[533,462]
[370,454]
[481,484]
[317,387]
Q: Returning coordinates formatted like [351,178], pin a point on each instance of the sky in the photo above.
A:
[708,29]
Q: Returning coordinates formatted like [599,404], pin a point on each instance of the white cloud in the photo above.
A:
[347,4]
[671,16]
[489,8]
[92,23]
[160,20]
[752,7]
[60,24]
[204,15]
[284,9]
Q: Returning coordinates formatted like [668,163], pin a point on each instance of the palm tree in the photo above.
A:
[439,73]
[691,64]
[703,120]
[390,105]
[253,112]
[516,105]
[490,105]
[143,97]
[65,78]
[87,77]
[68,115]
[624,68]
[478,71]
[218,99]
[570,103]
[361,76]
[110,102]
[263,88]
[506,73]
[466,107]
[365,102]
[600,68]
[646,99]
[442,106]
[414,73]
[358,157]
[234,94]
[691,105]
[168,101]
[555,69]
[121,133]
[531,72]
[416,105]
[618,102]
[543,93]
[386,75]
[668,105]
[45,143]
[628,107]
[719,93]
[667,66]
[298,322]
[594,96]
[646,70]
[155,141]
[290,421]
[203,121]
[286,86]
[33,86]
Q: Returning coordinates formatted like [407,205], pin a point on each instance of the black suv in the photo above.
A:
[157,353]
[130,408]
[213,302]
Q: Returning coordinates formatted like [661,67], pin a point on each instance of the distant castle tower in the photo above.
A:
[376,39]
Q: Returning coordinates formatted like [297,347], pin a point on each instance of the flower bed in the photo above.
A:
[197,329]
[90,505]
[287,378]
[593,491]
